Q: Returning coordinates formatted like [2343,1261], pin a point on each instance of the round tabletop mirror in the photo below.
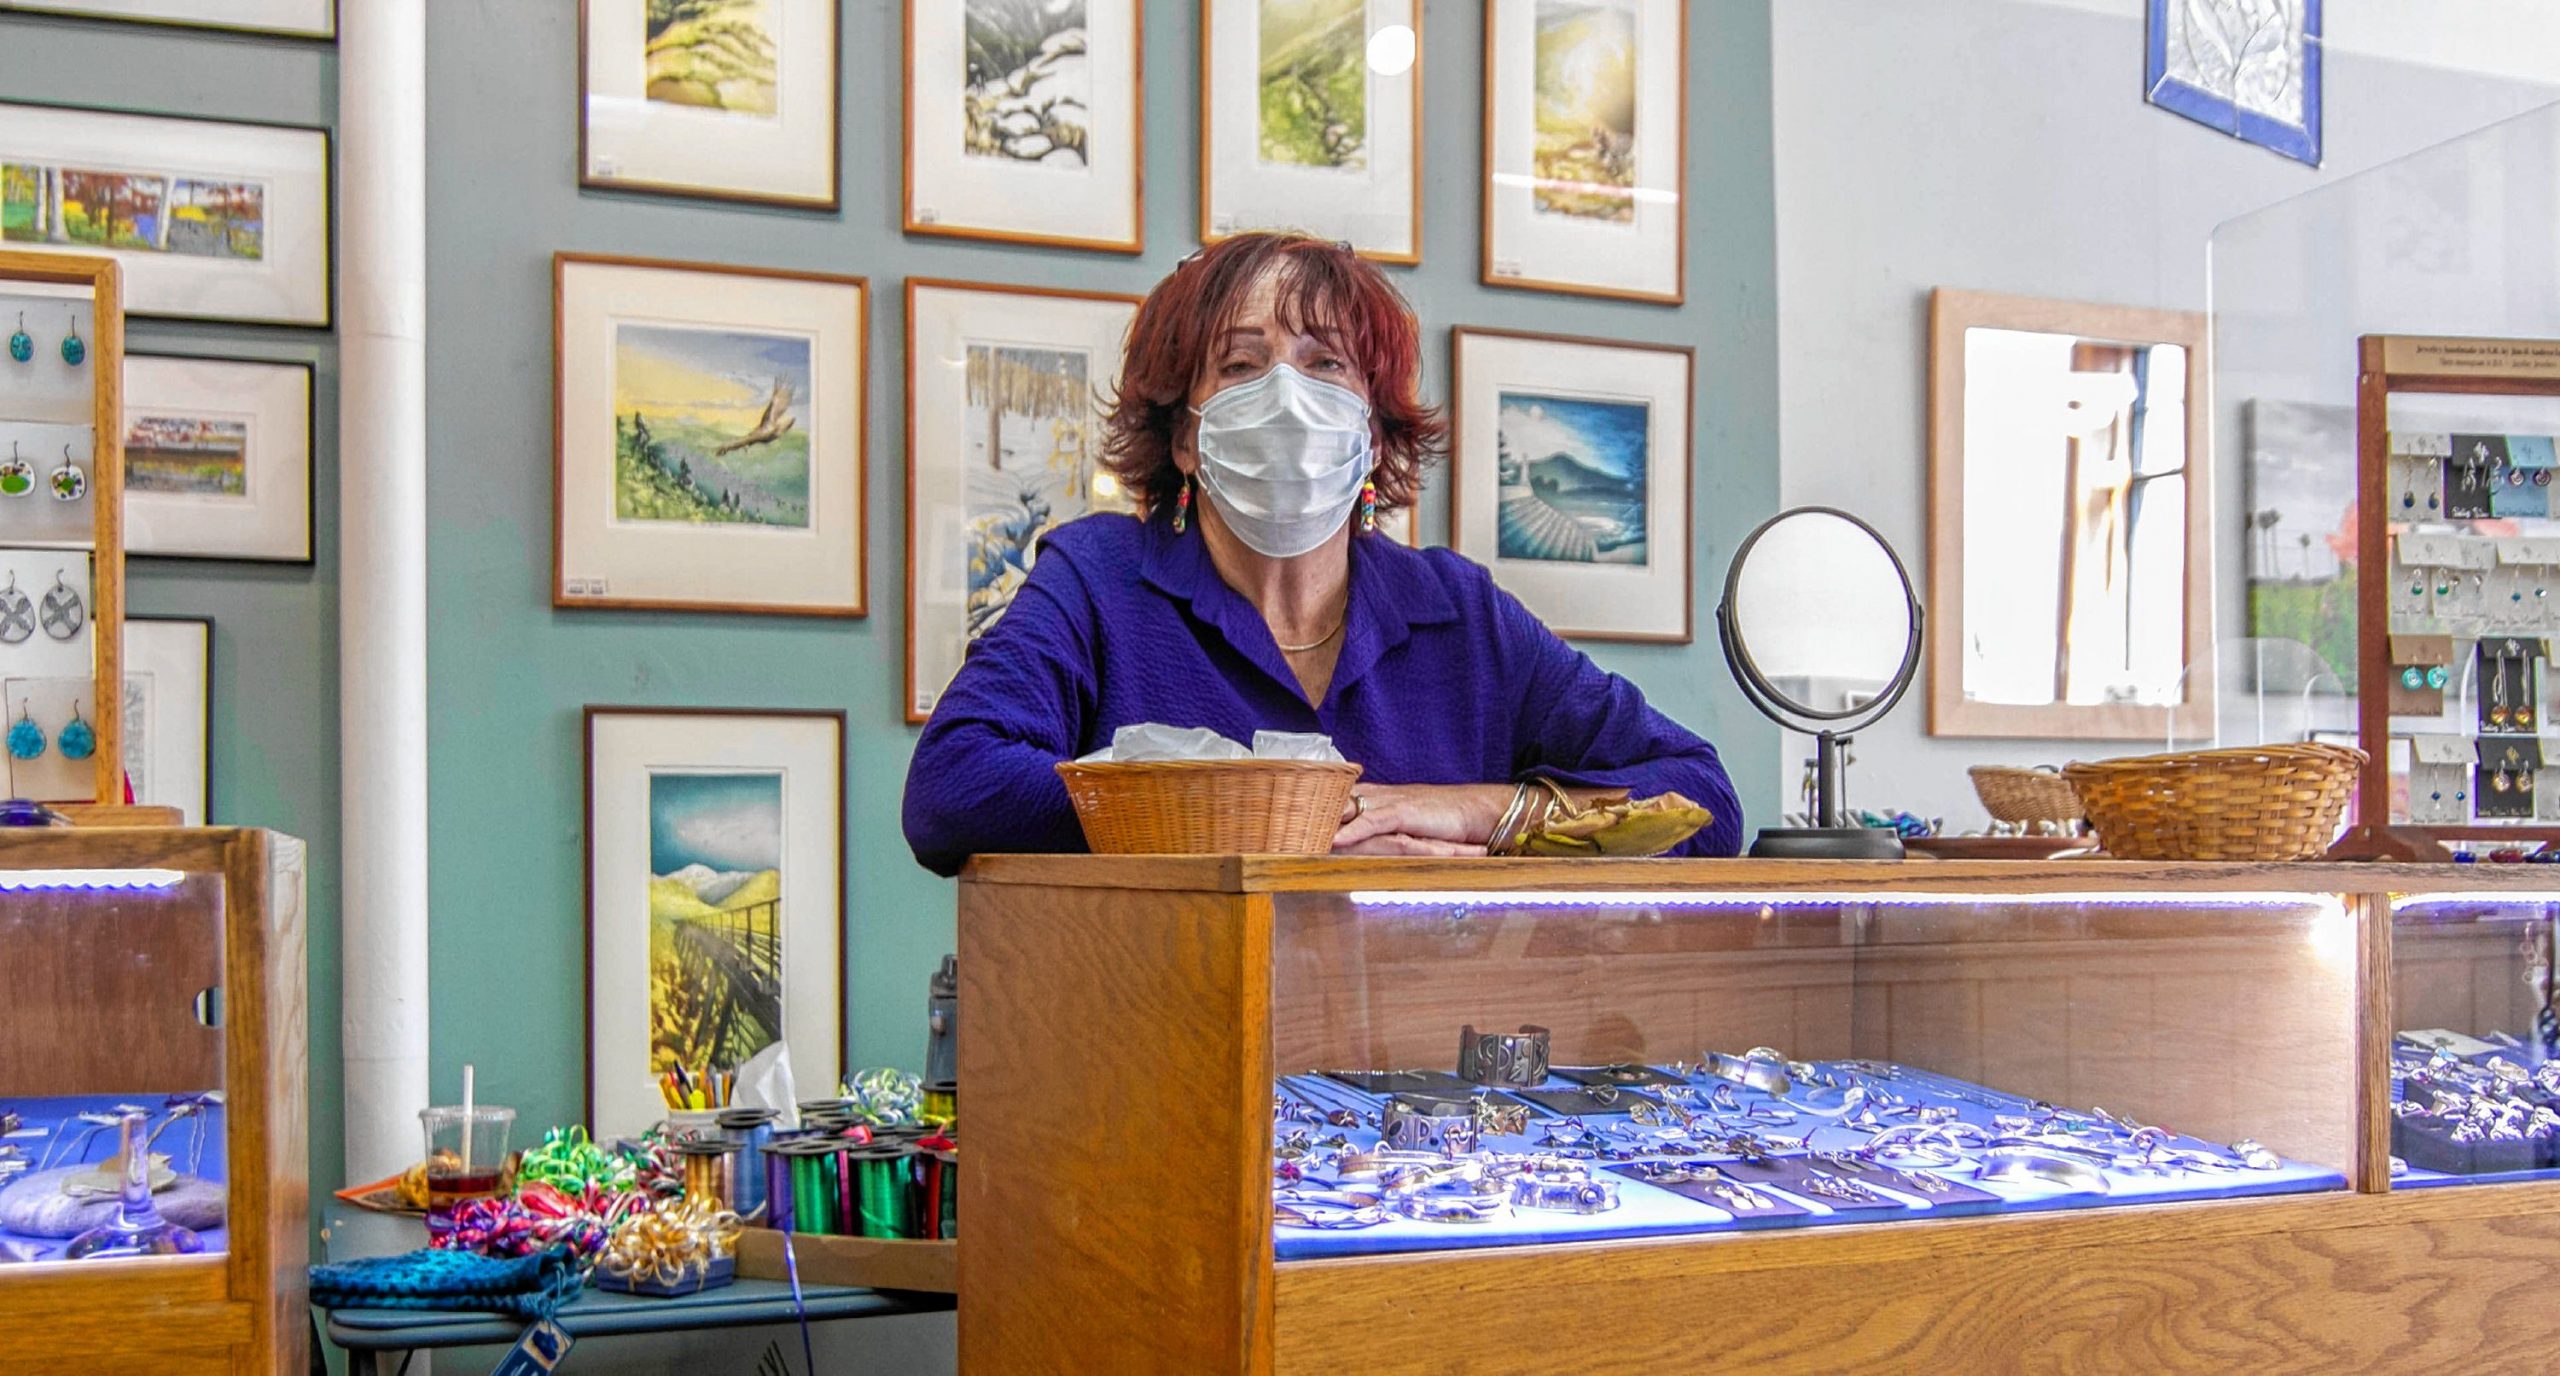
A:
[1823,632]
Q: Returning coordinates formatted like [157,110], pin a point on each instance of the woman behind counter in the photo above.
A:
[1267,412]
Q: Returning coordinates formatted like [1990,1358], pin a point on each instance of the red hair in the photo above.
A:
[1324,289]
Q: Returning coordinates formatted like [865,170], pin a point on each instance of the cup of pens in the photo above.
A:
[694,1097]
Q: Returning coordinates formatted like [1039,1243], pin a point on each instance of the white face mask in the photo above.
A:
[1284,457]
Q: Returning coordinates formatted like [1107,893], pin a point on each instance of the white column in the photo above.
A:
[382,577]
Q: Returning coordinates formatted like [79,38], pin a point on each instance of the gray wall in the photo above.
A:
[510,672]
[2005,146]
[275,690]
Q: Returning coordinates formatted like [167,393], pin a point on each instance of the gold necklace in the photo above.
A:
[1316,644]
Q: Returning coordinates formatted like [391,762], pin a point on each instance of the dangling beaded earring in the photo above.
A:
[26,739]
[78,740]
[73,351]
[1368,507]
[1182,509]
[70,483]
[22,345]
[17,476]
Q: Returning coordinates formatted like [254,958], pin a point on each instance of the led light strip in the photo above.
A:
[1797,898]
[2402,902]
[18,881]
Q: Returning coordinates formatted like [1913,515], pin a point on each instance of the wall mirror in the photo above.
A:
[2069,556]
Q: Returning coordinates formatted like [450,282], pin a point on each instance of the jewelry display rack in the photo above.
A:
[2399,365]
[1131,1015]
[159,973]
[96,284]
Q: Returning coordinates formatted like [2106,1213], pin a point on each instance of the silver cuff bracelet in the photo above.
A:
[1518,1059]
[1436,1125]
[2032,1166]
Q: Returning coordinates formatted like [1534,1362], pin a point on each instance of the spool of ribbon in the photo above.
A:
[884,1095]
[670,1244]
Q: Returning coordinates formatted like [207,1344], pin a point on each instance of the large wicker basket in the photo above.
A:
[1210,807]
[2264,802]
[2025,797]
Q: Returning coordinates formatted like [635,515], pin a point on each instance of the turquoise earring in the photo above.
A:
[73,351]
[26,739]
[22,345]
[78,740]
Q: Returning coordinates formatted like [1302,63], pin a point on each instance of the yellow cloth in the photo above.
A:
[1613,824]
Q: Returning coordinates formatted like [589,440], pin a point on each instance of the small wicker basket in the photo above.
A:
[2025,797]
[1210,807]
[2259,802]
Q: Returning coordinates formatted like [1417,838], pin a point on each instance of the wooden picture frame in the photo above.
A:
[946,191]
[628,123]
[948,322]
[171,14]
[1531,545]
[1626,239]
[1952,315]
[286,229]
[806,828]
[277,480]
[1308,194]
[822,321]
[97,284]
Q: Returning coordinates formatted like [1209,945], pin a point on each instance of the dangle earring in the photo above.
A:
[22,345]
[17,476]
[73,351]
[78,740]
[1368,507]
[70,481]
[64,613]
[26,739]
[1182,509]
[17,614]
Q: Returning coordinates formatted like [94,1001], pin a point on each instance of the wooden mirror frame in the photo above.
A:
[1953,312]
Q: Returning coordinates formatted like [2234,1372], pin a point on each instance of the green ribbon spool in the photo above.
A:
[884,1179]
[813,1185]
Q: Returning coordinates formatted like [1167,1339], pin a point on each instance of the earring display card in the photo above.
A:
[2440,780]
[2504,783]
[45,385]
[2477,460]
[52,704]
[38,465]
[2419,483]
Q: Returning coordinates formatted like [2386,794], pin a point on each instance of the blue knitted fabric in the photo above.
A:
[531,1287]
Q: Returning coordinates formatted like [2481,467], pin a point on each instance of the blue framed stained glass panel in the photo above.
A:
[2250,68]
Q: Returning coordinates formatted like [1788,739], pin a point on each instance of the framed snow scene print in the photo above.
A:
[1023,121]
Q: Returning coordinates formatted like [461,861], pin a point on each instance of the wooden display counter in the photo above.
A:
[1128,1016]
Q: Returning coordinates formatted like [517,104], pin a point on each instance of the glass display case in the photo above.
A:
[1237,1112]
[151,1098]
[2475,1082]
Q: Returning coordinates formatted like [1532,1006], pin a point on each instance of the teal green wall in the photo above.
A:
[275,690]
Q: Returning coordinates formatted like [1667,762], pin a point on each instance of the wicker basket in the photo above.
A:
[1210,807]
[2270,802]
[2024,797]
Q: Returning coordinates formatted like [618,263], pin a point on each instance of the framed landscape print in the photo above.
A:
[287,18]
[217,459]
[168,713]
[210,220]
[1569,478]
[709,437]
[715,899]
[1310,112]
[727,99]
[2250,68]
[1585,149]
[1004,442]
[1023,121]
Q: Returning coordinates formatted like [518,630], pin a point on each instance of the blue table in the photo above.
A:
[375,1338]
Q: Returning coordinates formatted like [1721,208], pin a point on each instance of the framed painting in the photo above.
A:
[731,100]
[1310,115]
[1004,443]
[2250,68]
[168,713]
[210,220]
[280,18]
[1024,121]
[217,459]
[1586,110]
[715,899]
[1569,456]
[708,437]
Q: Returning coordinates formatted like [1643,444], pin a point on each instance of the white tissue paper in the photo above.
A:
[764,1081]
[1156,741]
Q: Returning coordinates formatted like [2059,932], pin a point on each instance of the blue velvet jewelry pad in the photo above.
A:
[41,1119]
[1650,1211]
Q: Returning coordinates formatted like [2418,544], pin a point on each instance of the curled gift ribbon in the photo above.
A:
[884,1096]
[570,1162]
[670,1244]
[538,1217]
[655,1169]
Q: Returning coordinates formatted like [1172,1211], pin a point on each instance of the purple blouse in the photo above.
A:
[1443,678]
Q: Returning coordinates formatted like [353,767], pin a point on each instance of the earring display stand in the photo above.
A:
[2395,365]
[41,397]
